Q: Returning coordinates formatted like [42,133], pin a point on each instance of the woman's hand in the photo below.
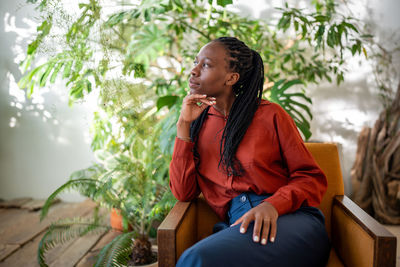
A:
[265,217]
[193,106]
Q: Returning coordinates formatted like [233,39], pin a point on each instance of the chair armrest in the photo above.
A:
[359,239]
[185,224]
[176,233]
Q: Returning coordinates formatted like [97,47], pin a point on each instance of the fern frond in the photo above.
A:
[117,252]
[82,184]
[65,230]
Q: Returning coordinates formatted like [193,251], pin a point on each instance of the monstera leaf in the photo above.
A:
[148,44]
[295,104]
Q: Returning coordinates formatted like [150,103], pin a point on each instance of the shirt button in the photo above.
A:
[243,199]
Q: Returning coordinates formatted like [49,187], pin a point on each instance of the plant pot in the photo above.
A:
[116,220]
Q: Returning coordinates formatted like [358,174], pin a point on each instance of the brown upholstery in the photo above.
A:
[357,239]
[323,155]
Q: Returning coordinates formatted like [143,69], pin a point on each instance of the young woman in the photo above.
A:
[247,158]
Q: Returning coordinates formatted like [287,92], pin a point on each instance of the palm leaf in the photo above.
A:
[82,184]
[65,230]
[117,252]
[85,182]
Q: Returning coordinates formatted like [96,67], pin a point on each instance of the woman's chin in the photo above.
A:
[195,92]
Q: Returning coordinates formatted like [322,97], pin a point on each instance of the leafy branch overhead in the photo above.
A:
[156,41]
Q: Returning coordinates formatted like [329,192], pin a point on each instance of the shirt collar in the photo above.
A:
[213,111]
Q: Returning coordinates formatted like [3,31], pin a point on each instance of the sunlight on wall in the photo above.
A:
[340,112]
[42,133]
[52,140]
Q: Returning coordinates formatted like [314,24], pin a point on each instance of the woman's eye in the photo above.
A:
[204,65]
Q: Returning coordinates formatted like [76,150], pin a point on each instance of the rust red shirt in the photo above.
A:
[273,156]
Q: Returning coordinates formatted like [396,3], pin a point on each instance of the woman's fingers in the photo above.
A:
[265,219]
[194,99]
[193,106]
[272,235]
[238,220]
[258,223]
[245,223]
[265,231]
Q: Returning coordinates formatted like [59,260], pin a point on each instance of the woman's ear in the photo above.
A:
[232,78]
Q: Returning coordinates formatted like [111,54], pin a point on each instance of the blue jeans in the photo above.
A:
[301,240]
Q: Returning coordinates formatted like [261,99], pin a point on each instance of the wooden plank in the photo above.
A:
[17,222]
[25,256]
[6,250]
[27,231]
[14,203]
[76,251]
[90,258]
[55,252]
[36,204]
[9,217]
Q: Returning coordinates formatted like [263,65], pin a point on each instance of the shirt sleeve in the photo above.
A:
[182,172]
[306,182]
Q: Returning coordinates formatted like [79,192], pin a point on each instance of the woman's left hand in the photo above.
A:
[264,216]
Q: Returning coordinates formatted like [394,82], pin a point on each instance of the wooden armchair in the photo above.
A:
[357,239]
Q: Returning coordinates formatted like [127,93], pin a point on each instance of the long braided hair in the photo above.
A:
[248,90]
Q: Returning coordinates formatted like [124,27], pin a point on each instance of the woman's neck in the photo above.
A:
[224,103]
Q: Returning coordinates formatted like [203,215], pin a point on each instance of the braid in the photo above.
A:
[194,135]
[248,90]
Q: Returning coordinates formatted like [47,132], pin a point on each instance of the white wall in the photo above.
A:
[340,112]
[42,140]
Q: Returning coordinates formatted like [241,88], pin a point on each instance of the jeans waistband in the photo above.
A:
[242,203]
[251,197]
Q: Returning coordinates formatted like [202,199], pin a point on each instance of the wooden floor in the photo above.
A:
[21,231]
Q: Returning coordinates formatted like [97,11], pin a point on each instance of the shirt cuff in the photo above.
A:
[182,148]
[280,203]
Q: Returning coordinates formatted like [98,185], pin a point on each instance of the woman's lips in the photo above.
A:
[193,84]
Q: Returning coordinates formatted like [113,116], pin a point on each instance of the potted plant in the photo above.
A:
[130,176]
[134,181]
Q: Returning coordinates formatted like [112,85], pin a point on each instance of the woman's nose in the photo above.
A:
[194,71]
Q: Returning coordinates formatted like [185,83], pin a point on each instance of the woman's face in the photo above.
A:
[210,74]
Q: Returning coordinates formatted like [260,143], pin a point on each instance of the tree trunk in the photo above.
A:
[376,171]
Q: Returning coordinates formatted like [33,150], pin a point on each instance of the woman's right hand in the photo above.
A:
[191,110]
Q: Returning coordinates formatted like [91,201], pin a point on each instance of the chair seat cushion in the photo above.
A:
[334,260]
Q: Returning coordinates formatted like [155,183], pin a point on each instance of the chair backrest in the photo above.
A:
[327,157]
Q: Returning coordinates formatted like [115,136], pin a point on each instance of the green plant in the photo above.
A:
[134,181]
[131,175]
[156,41]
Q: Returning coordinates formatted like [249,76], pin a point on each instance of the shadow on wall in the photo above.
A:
[43,140]
[339,115]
